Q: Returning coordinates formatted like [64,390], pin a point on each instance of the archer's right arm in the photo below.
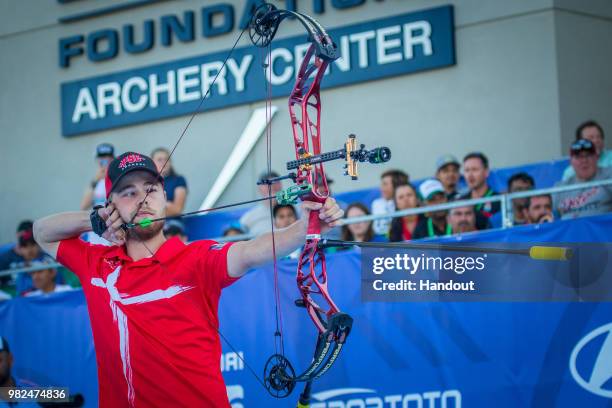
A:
[50,230]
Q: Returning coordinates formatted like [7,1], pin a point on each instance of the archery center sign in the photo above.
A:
[368,51]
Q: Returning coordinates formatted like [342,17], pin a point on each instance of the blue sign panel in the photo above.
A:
[376,49]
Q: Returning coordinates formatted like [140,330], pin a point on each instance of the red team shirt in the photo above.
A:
[154,321]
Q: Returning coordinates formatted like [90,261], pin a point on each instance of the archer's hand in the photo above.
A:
[329,213]
[114,233]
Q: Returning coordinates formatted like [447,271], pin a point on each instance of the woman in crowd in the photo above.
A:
[360,231]
[175,185]
[405,197]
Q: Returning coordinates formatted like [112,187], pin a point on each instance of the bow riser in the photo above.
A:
[305,99]
[310,282]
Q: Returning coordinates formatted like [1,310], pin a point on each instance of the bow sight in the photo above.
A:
[349,152]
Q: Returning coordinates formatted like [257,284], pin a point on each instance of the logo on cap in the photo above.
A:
[129,160]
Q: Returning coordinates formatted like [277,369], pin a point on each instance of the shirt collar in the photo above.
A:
[168,250]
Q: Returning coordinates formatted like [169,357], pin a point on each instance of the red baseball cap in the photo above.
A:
[125,163]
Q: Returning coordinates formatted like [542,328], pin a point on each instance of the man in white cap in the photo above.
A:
[434,224]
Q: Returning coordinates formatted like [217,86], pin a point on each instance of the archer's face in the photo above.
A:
[130,192]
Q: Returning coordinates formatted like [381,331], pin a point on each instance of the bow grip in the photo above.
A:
[314,225]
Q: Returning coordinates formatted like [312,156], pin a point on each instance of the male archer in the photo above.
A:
[153,301]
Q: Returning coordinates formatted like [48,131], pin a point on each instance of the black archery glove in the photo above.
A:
[98,225]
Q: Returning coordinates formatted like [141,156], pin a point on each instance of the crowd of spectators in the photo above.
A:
[589,161]
[44,280]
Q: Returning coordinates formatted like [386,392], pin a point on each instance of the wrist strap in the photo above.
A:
[98,225]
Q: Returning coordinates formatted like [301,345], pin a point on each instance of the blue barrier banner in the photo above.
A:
[371,50]
[398,355]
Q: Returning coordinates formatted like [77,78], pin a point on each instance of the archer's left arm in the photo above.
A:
[249,254]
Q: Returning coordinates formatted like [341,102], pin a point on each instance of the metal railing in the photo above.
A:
[505,201]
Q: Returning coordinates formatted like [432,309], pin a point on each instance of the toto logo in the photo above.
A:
[591,361]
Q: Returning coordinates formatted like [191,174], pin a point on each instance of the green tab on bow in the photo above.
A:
[290,195]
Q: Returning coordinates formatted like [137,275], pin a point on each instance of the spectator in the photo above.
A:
[6,365]
[588,201]
[95,193]
[232,231]
[592,131]
[434,223]
[402,228]
[6,376]
[256,221]
[25,252]
[462,219]
[284,215]
[538,209]
[22,254]
[25,249]
[476,171]
[389,180]
[520,182]
[335,232]
[175,185]
[175,228]
[44,280]
[360,231]
[321,191]
[447,171]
